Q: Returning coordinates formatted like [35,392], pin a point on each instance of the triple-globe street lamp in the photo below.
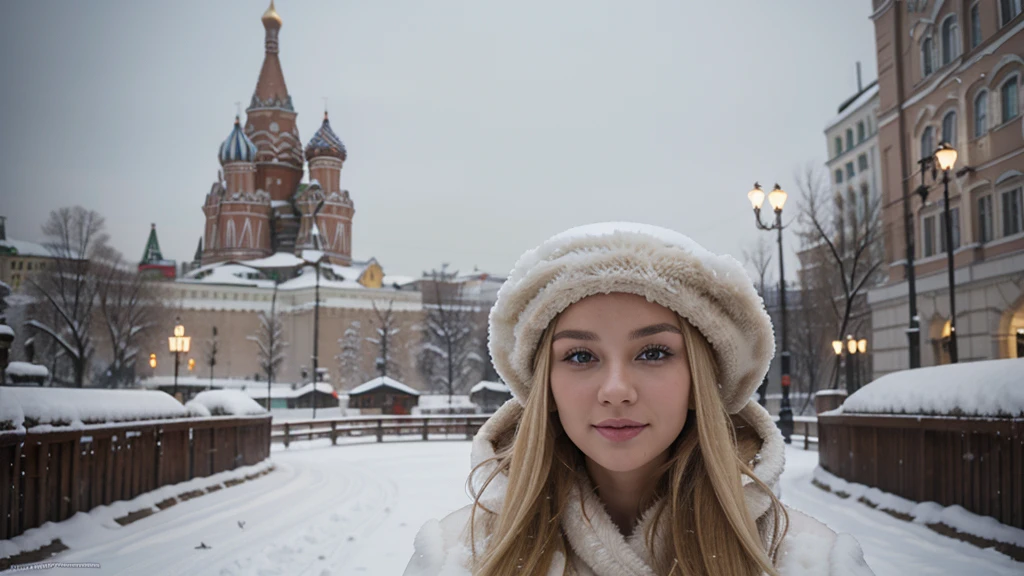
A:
[777,198]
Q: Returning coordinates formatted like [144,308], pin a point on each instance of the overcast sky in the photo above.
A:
[474,129]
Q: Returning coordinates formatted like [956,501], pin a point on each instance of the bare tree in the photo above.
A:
[849,238]
[385,330]
[451,338]
[130,307]
[270,343]
[350,359]
[760,258]
[66,292]
[210,354]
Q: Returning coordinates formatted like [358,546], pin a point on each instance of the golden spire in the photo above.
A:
[270,17]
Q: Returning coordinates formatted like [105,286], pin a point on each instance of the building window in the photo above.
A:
[954,219]
[839,180]
[849,171]
[839,145]
[981,114]
[975,26]
[926,57]
[29,265]
[949,128]
[1008,10]
[14,265]
[1009,99]
[865,198]
[21,264]
[1011,212]
[927,143]
[862,162]
[860,132]
[928,230]
[949,33]
[985,218]
[849,138]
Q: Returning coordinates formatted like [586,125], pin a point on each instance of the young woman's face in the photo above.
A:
[620,379]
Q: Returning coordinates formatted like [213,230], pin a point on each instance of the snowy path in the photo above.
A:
[355,510]
[324,511]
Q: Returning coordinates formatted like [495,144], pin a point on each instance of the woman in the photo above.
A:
[632,446]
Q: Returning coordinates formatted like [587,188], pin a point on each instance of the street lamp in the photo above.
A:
[178,344]
[944,159]
[777,198]
[945,156]
[314,257]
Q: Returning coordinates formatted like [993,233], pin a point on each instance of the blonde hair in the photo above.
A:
[701,524]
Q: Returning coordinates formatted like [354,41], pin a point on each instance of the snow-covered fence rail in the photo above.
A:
[948,434]
[977,463]
[377,426]
[49,475]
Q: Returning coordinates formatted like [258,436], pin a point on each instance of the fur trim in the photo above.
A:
[712,292]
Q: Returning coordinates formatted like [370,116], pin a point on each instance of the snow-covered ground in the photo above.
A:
[355,509]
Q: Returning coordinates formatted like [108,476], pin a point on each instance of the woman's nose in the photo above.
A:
[617,387]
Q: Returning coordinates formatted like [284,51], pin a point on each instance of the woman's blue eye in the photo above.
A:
[654,354]
[580,357]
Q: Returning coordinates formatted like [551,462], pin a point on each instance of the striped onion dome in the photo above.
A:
[325,143]
[238,147]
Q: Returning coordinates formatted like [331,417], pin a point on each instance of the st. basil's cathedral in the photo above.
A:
[258,206]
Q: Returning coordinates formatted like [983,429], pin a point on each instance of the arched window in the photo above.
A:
[849,138]
[839,145]
[927,142]
[981,114]
[926,57]
[949,128]
[860,131]
[975,25]
[1008,10]
[949,43]
[839,176]
[1009,99]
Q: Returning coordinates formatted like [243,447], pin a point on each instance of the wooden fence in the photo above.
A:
[50,476]
[378,427]
[975,463]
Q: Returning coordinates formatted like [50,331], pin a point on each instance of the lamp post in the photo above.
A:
[862,349]
[777,198]
[314,257]
[945,156]
[178,344]
[855,351]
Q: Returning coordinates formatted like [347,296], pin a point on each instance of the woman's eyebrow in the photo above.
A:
[634,335]
[652,330]
[575,335]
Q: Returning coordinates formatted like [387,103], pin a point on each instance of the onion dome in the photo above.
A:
[270,18]
[238,147]
[325,143]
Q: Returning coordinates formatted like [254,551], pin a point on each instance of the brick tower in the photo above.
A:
[270,121]
[326,156]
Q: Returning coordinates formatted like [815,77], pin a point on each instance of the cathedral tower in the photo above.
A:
[237,214]
[270,121]
[326,155]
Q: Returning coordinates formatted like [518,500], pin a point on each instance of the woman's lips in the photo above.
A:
[620,433]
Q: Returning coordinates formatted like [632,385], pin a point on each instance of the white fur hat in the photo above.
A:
[712,292]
